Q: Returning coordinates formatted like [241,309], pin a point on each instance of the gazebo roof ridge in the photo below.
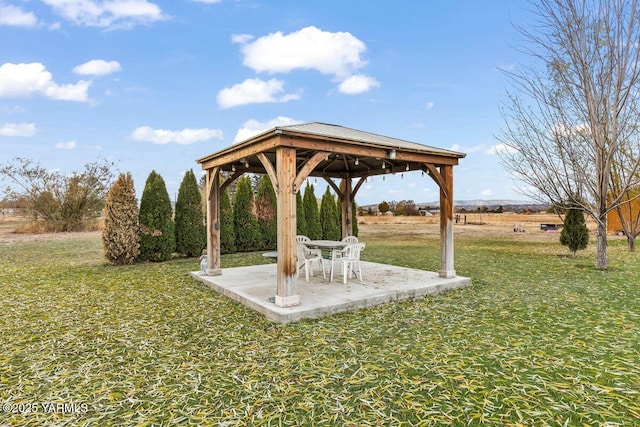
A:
[338,134]
[335,131]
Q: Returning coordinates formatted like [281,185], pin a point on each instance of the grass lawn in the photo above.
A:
[539,339]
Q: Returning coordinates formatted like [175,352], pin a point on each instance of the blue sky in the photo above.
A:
[155,84]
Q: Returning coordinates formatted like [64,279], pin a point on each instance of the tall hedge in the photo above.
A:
[329,217]
[227,232]
[266,213]
[314,229]
[245,223]
[189,220]
[301,220]
[157,236]
[120,239]
[354,219]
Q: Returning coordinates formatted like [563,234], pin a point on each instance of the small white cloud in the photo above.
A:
[97,67]
[507,67]
[486,192]
[463,149]
[184,136]
[241,38]
[357,84]
[429,105]
[25,80]
[107,14]
[501,149]
[254,91]
[69,145]
[330,53]
[253,127]
[18,129]
[13,16]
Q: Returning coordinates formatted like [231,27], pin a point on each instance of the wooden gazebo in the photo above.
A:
[290,154]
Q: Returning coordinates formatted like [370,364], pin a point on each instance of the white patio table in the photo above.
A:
[326,245]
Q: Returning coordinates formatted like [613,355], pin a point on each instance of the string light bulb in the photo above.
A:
[407,168]
[356,162]
[233,168]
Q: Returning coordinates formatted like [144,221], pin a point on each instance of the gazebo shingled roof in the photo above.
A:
[290,154]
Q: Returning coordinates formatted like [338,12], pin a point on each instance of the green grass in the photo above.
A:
[539,339]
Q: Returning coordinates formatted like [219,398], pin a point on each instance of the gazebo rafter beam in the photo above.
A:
[434,173]
[229,180]
[358,185]
[334,186]
[271,171]
[307,168]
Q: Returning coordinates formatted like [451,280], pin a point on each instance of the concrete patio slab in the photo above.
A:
[254,287]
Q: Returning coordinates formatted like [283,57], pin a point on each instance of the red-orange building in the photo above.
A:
[630,211]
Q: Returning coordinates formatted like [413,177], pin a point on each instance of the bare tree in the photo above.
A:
[571,127]
[63,202]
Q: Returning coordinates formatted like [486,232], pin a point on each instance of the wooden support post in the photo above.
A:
[446,223]
[287,295]
[213,222]
[347,226]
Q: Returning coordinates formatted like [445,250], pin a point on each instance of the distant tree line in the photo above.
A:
[401,208]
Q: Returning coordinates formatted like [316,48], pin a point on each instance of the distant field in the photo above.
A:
[486,224]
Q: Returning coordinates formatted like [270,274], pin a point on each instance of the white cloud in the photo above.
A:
[254,91]
[507,67]
[468,150]
[429,105]
[18,129]
[253,127]
[13,16]
[25,80]
[487,192]
[358,83]
[241,38]
[97,67]
[69,145]
[184,136]
[335,54]
[112,13]
[501,149]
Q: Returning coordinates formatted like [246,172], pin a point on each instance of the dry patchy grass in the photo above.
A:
[539,339]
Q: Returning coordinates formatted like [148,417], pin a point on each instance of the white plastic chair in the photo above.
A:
[306,258]
[350,239]
[337,253]
[350,258]
[302,239]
